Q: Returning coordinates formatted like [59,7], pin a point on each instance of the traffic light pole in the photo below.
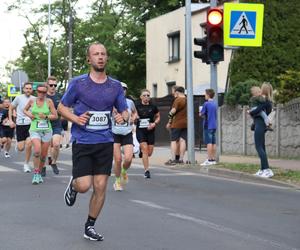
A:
[189,84]
[214,86]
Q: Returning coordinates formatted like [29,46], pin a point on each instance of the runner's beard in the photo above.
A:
[97,69]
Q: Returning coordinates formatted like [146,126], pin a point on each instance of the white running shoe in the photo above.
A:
[6,155]
[26,168]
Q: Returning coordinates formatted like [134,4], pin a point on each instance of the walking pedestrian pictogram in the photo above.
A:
[243,24]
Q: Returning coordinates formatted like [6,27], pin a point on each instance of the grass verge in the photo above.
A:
[288,176]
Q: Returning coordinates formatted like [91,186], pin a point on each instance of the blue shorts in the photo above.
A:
[56,130]
[209,136]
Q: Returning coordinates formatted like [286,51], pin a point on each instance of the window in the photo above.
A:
[169,86]
[154,89]
[174,46]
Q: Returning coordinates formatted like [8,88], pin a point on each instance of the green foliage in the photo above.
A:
[281,45]
[240,93]
[289,87]
[119,25]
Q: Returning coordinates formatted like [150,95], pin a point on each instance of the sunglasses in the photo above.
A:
[42,92]
[52,85]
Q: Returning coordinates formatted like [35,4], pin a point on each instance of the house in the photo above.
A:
[165,53]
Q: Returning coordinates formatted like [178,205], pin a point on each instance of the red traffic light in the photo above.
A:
[215,17]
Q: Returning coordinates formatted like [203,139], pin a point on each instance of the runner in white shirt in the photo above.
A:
[123,138]
[23,123]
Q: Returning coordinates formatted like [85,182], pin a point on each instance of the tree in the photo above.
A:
[281,46]
[289,87]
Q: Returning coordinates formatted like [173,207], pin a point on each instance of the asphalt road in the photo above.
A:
[174,210]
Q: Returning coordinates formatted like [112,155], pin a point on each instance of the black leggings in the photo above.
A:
[259,139]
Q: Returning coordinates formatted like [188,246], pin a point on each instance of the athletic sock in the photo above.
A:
[177,157]
[118,179]
[90,221]
[123,170]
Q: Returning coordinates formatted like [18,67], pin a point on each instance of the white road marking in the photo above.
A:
[6,169]
[150,204]
[231,231]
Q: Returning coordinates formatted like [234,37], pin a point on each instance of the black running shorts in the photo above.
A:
[145,135]
[22,132]
[92,159]
[177,133]
[124,139]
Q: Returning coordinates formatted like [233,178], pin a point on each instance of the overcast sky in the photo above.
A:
[12,28]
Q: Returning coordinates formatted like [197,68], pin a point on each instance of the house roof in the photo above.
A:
[195,7]
[199,89]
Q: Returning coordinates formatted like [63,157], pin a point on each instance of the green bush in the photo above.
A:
[239,94]
[289,87]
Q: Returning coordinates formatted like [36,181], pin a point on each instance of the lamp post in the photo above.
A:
[49,38]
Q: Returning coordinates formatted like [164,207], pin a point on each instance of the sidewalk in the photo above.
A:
[162,154]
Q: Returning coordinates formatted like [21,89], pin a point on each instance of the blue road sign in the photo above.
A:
[243,24]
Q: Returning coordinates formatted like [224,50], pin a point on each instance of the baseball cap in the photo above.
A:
[124,85]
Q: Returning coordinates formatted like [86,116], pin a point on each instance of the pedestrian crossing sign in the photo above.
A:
[243,24]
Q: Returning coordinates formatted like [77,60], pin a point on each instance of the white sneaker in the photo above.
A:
[208,163]
[205,163]
[267,173]
[259,173]
[26,168]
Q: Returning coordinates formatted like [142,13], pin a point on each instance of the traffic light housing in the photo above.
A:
[215,41]
[203,53]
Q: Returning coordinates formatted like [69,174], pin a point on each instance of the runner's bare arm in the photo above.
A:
[53,115]
[26,110]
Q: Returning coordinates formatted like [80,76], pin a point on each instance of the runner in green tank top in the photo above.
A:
[42,112]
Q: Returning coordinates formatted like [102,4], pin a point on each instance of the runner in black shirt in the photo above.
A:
[148,118]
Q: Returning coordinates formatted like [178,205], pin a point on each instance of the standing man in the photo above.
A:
[209,113]
[92,97]
[148,118]
[56,127]
[123,138]
[23,123]
[178,124]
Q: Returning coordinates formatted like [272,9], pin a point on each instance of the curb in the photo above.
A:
[230,174]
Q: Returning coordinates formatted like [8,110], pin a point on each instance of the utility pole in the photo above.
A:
[70,69]
[49,38]
[189,84]
[214,85]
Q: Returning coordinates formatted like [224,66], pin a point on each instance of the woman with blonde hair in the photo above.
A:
[260,130]
[41,111]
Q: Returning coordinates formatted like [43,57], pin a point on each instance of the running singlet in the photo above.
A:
[146,115]
[84,95]
[39,124]
[124,128]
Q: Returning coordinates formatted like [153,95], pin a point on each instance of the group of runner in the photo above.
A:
[37,126]
[102,127]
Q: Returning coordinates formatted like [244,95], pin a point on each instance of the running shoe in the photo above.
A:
[39,176]
[171,162]
[26,168]
[118,186]
[6,155]
[43,172]
[124,177]
[35,179]
[147,174]
[91,234]
[70,194]
[55,169]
